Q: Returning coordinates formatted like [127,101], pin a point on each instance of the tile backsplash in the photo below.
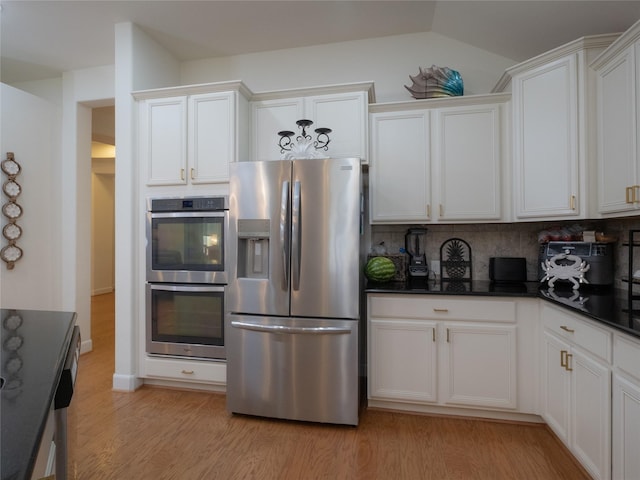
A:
[505,240]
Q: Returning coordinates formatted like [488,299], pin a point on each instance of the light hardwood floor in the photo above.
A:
[157,433]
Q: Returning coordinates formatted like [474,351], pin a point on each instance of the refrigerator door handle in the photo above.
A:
[295,237]
[288,330]
[284,233]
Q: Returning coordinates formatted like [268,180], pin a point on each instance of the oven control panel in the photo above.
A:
[189,204]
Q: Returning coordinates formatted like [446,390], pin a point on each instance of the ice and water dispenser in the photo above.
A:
[253,248]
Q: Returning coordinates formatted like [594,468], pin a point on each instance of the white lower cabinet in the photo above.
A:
[442,351]
[199,374]
[404,366]
[626,408]
[576,387]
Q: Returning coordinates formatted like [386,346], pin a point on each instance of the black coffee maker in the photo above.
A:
[414,244]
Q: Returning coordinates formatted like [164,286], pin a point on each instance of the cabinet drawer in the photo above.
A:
[186,370]
[582,333]
[441,308]
[626,355]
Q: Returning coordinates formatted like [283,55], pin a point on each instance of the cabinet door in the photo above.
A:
[400,170]
[555,386]
[545,105]
[163,140]
[590,416]
[480,366]
[617,132]
[270,117]
[402,360]
[626,428]
[346,115]
[212,127]
[467,162]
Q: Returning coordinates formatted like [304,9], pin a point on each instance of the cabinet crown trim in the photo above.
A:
[621,43]
[320,90]
[583,43]
[235,86]
[463,100]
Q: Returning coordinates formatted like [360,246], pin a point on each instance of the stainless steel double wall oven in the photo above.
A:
[186,276]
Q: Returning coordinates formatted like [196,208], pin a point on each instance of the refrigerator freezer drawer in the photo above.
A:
[293,368]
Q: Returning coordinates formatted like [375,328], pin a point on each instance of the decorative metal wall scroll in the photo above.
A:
[11,253]
[305,147]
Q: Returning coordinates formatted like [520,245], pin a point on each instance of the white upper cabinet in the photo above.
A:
[163,140]
[189,135]
[553,131]
[545,138]
[468,146]
[438,160]
[342,108]
[400,167]
[618,85]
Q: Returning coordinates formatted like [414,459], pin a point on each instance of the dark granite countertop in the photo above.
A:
[476,287]
[34,346]
[603,304]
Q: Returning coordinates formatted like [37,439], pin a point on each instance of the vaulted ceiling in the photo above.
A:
[41,39]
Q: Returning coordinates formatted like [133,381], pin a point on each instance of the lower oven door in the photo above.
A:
[185,320]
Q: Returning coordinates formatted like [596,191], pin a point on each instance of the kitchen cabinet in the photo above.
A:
[438,160]
[553,131]
[442,351]
[576,387]
[342,108]
[202,374]
[190,135]
[626,408]
[618,87]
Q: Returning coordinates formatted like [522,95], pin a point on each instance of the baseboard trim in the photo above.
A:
[86,346]
[126,383]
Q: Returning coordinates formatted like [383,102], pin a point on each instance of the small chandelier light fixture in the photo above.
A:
[305,146]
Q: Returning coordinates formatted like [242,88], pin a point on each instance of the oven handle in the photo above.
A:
[185,287]
[206,214]
[282,329]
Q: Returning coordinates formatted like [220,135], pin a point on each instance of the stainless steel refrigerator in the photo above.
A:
[293,302]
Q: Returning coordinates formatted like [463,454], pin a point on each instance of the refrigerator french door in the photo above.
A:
[294,297]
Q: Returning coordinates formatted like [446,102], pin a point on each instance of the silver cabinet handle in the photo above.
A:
[284,329]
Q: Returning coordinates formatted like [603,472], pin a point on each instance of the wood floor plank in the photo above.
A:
[156,433]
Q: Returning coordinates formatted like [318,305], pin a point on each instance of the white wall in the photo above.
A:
[388,61]
[30,127]
[102,226]
[140,64]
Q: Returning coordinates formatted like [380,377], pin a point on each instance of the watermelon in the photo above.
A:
[380,269]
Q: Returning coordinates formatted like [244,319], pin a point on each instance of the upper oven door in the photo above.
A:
[187,247]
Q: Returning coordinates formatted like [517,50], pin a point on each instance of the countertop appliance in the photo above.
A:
[293,302]
[508,269]
[599,257]
[414,244]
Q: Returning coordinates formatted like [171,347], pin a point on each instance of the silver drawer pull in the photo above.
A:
[441,310]
[187,372]
[567,329]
